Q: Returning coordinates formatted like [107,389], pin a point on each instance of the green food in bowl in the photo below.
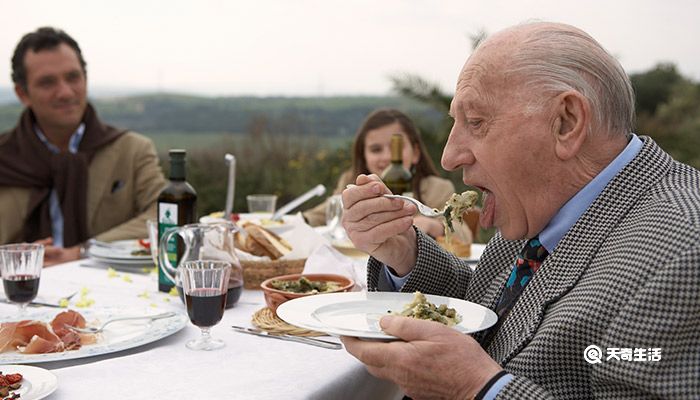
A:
[304,285]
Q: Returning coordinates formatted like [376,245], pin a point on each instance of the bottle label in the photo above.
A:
[167,218]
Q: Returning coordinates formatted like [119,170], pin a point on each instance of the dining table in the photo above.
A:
[248,367]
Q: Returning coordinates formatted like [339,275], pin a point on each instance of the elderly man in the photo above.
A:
[66,177]
[598,240]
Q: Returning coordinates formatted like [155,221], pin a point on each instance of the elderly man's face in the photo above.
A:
[503,147]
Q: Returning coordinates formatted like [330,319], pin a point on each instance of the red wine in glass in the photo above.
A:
[21,288]
[205,307]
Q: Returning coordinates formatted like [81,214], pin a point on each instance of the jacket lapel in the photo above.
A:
[99,181]
[563,268]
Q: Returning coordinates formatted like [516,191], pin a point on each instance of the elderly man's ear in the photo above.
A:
[572,123]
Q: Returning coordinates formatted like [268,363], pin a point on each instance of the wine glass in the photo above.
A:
[205,283]
[20,267]
[334,213]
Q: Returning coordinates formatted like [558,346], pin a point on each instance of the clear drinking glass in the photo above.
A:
[205,283]
[334,213]
[20,267]
[261,203]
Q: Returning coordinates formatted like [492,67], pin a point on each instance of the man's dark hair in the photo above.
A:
[44,38]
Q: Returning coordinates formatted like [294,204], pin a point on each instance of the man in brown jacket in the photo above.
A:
[65,177]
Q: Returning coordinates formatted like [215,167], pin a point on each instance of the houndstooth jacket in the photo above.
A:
[626,276]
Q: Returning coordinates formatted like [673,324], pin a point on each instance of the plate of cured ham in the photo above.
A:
[42,336]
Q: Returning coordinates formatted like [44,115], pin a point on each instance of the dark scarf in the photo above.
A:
[25,161]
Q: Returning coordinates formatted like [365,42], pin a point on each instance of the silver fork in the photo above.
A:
[150,318]
[422,208]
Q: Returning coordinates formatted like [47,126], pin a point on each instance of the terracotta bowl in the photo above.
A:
[275,297]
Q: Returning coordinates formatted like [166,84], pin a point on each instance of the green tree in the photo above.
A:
[675,123]
[653,88]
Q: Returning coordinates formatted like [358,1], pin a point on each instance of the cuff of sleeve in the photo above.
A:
[494,386]
[396,281]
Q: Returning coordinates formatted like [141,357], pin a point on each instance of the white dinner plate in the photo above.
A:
[117,337]
[357,313]
[121,262]
[121,252]
[37,383]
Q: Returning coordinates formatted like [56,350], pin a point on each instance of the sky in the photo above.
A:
[327,47]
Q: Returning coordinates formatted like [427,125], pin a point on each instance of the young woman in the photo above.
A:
[372,154]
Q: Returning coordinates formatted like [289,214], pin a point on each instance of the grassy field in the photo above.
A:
[227,140]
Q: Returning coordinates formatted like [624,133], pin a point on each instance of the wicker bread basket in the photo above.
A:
[255,272]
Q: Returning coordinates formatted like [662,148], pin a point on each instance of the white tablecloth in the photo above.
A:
[248,367]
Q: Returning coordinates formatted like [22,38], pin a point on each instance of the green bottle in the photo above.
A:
[177,206]
[395,176]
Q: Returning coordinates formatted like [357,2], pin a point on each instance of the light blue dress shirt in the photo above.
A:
[563,220]
[55,205]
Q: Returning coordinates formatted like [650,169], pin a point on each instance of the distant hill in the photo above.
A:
[168,113]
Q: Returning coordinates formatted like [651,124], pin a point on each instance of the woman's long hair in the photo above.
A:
[388,116]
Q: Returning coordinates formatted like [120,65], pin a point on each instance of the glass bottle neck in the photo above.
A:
[397,149]
[177,170]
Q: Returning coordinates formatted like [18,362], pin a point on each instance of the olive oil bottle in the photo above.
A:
[395,176]
[177,206]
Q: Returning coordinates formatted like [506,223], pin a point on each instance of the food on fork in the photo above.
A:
[259,241]
[457,205]
[454,209]
[38,337]
[421,308]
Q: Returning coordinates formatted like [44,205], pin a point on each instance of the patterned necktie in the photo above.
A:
[527,263]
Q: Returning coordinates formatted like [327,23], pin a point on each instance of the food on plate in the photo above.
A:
[455,246]
[144,248]
[269,222]
[421,308]
[38,337]
[304,285]
[8,383]
[256,240]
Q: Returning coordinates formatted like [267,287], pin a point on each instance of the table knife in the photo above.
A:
[299,339]
[33,303]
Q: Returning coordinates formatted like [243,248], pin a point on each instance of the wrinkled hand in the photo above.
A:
[378,225]
[432,361]
[56,255]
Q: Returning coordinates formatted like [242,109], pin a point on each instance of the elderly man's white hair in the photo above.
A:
[554,58]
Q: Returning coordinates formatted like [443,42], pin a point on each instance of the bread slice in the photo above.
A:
[262,242]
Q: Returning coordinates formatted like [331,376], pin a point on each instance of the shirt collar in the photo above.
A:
[567,216]
[73,143]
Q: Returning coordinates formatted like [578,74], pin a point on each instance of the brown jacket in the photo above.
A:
[124,182]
